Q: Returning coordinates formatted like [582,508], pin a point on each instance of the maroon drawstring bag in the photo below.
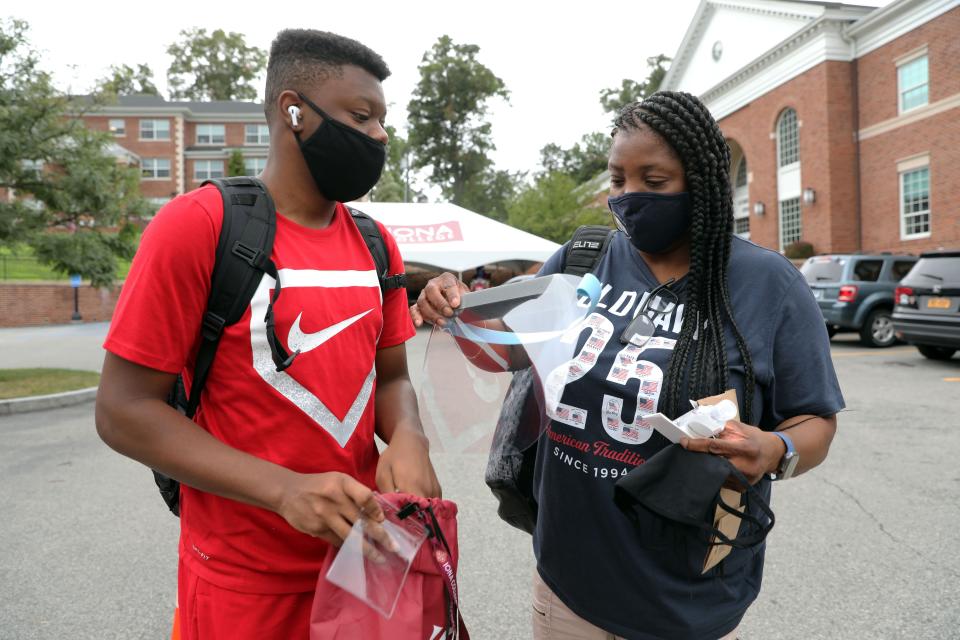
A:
[428,605]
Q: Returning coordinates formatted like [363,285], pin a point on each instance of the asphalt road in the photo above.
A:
[865,546]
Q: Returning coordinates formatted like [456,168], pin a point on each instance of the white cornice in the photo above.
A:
[188,115]
[818,42]
[138,112]
[910,117]
[802,12]
[682,57]
[889,23]
[224,153]
[796,11]
[250,118]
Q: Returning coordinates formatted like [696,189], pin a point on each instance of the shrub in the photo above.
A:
[798,250]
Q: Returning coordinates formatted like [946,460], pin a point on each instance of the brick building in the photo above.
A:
[178,145]
[843,120]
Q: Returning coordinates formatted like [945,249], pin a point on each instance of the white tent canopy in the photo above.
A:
[452,238]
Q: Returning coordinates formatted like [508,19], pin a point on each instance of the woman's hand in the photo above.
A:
[751,450]
[438,300]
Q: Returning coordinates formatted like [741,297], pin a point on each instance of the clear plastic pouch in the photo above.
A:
[469,363]
[375,559]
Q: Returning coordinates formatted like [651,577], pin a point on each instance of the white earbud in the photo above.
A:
[294,112]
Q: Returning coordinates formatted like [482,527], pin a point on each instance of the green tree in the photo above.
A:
[72,201]
[629,91]
[491,192]
[449,129]
[214,66]
[124,80]
[235,164]
[392,186]
[554,206]
[583,161]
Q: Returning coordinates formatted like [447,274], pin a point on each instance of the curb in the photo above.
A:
[52,401]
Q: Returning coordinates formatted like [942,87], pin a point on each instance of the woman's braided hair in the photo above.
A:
[687,126]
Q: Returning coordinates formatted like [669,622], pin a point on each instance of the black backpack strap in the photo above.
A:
[586,249]
[378,250]
[243,255]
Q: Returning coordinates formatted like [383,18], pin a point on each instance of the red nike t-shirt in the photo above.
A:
[314,417]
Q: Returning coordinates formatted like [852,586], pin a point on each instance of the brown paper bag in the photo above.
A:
[726,522]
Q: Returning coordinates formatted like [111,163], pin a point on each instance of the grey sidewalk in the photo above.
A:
[64,346]
[79,346]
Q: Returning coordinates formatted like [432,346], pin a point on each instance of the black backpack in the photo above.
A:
[243,256]
[509,472]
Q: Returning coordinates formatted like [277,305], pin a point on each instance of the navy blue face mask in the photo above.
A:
[654,222]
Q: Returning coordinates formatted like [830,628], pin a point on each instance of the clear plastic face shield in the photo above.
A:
[470,362]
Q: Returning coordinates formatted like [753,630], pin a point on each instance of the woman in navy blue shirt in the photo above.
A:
[726,314]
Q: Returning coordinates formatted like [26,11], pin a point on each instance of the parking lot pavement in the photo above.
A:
[64,346]
[863,548]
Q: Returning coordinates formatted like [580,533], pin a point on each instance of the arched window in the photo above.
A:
[741,200]
[740,179]
[788,138]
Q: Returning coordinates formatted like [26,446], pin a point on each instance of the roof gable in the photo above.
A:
[726,35]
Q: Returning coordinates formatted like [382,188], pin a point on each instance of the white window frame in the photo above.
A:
[902,63]
[208,129]
[153,129]
[262,162]
[262,135]
[120,132]
[796,119]
[783,243]
[208,174]
[34,167]
[903,169]
[741,197]
[155,170]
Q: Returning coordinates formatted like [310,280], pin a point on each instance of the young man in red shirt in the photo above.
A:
[278,464]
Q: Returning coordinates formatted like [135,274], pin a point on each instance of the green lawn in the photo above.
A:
[23,265]
[18,383]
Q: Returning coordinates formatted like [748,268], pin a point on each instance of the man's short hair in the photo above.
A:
[301,57]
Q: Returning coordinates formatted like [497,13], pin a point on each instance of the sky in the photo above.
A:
[554,57]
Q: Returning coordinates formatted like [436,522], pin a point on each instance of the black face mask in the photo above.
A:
[654,222]
[683,487]
[345,163]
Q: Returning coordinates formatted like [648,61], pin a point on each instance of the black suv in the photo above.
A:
[855,292]
[928,305]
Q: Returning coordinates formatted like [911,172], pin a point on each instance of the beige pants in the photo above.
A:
[552,620]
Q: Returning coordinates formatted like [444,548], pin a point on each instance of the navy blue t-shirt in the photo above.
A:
[634,579]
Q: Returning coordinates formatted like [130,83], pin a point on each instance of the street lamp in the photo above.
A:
[75,283]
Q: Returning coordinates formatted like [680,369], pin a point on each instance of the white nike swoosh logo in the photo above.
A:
[297,340]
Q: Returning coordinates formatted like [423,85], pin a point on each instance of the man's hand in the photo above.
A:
[325,505]
[751,450]
[438,300]
[405,466]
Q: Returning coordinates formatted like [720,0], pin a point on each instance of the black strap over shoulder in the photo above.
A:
[243,255]
[586,248]
[378,249]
